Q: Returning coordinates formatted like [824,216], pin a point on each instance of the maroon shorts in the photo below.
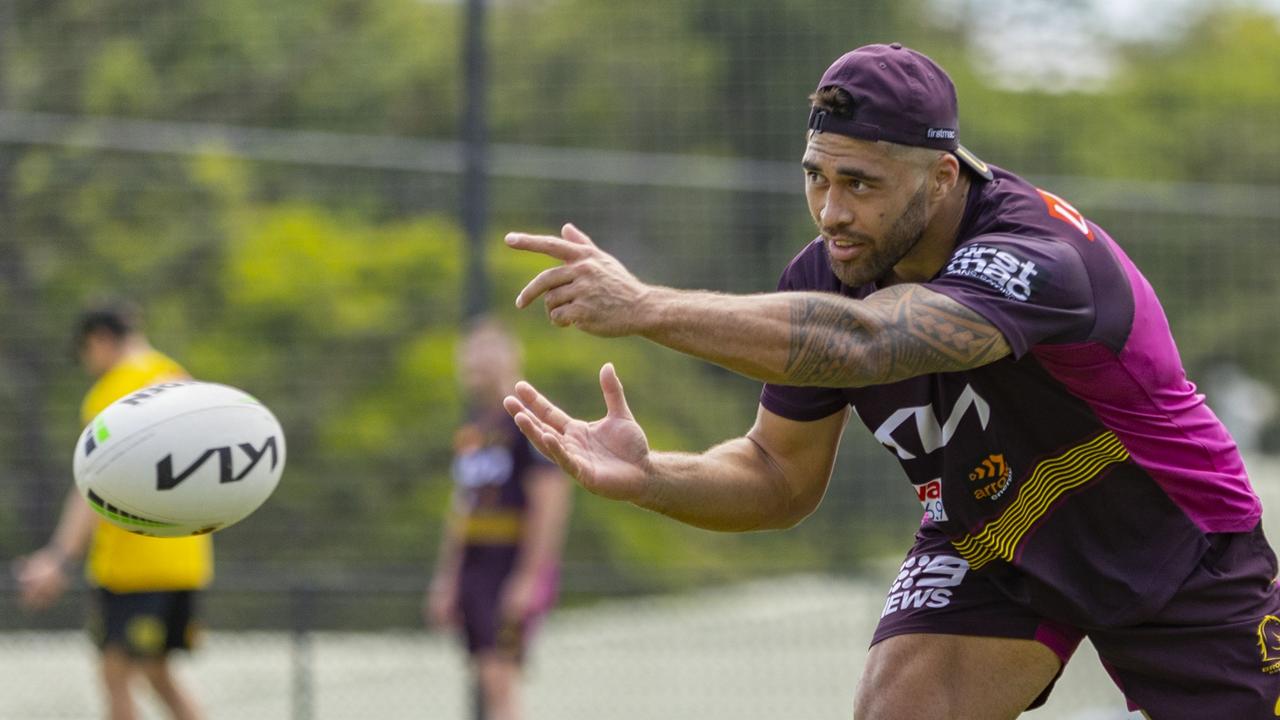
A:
[1213,651]
[484,627]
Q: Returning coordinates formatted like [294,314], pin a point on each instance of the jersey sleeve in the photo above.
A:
[807,271]
[1032,290]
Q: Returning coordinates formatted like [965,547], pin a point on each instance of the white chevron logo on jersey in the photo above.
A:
[932,435]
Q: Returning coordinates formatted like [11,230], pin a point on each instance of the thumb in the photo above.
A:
[571,233]
[615,401]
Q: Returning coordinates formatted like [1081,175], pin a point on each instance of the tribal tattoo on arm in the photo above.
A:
[896,333]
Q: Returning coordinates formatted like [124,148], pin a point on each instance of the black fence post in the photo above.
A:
[302,680]
[475,158]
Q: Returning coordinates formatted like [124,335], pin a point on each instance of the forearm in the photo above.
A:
[823,339]
[792,338]
[733,487]
[75,527]
[545,521]
[449,554]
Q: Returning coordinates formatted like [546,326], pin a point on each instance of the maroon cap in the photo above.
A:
[899,96]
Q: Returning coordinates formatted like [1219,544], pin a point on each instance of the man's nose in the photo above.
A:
[836,213]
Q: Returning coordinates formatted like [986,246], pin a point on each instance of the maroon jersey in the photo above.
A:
[491,462]
[1083,472]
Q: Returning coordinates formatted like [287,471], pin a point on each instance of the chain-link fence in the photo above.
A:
[282,187]
[789,646]
[782,648]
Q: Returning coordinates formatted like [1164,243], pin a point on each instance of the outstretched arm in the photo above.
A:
[794,338]
[772,477]
[42,575]
[440,604]
[823,339]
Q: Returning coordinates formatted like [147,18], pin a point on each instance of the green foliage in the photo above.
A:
[334,293]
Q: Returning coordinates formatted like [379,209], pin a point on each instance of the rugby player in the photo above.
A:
[144,589]
[1019,366]
[499,563]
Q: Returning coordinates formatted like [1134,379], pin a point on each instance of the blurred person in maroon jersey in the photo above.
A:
[499,563]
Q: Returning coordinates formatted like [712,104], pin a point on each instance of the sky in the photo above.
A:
[1065,44]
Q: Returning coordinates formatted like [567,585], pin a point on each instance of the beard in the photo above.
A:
[879,258]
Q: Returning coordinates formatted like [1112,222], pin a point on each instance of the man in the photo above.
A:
[144,588]
[1021,369]
[499,561]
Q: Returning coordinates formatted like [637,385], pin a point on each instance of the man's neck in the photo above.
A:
[938,240]
[128,350]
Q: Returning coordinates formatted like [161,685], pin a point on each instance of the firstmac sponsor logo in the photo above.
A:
[1012,276]
[925,581]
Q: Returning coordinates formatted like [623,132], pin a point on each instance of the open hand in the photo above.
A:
[440,605]
[518,599]
[41,579]
[591,290]
[608,457]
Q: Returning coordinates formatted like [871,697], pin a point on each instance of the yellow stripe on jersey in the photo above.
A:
[119,560]
[1048,482]
[492,528]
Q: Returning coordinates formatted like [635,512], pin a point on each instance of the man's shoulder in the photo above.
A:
[1016,226]
[132,373]
[153,364]
[1011,207]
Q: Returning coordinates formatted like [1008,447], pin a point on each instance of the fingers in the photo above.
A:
[615,401]
[544,281]
[531,428]
[541,407]
[550,245]
[560,455]
[547,442]
[39,596]
[544,436]
[574,245]
[544,424]
[565,314]
[571,233]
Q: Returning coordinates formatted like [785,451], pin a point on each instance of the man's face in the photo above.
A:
[487,362]
[98,352]
[869,205]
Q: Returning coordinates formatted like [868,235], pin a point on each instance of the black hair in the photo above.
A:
[835,100]
[117,318]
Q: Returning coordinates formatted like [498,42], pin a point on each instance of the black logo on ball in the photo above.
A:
[166,480]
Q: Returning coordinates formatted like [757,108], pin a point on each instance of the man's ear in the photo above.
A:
[944,175]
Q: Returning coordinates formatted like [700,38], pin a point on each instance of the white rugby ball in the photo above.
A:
[180,458]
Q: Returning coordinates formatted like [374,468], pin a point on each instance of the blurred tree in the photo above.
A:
[1193,111]
[332,292]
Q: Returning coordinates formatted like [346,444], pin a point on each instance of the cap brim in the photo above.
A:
[969,159]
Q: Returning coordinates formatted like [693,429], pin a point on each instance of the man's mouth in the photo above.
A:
[844,249]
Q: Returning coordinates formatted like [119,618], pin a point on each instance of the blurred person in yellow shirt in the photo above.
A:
[143,588]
